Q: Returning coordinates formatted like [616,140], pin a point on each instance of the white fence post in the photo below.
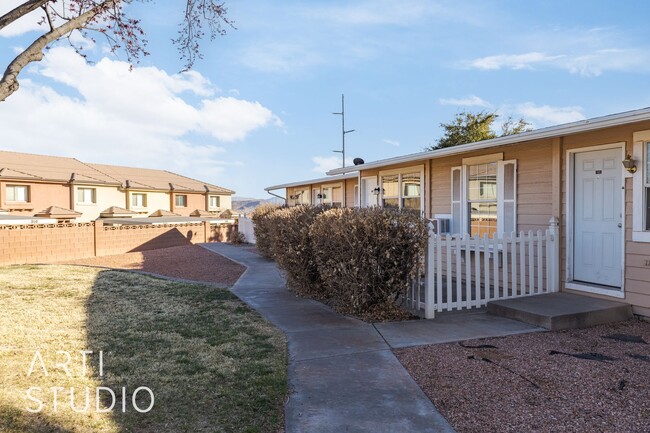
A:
[430,271]
[553,255]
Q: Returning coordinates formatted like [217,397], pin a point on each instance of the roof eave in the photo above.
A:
[313,181]
[539,134]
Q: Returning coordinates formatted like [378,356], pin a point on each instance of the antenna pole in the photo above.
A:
[343,131]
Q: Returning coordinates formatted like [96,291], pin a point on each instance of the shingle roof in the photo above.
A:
[26,166]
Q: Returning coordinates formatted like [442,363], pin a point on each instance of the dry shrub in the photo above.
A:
[292,247]
[368,257]
[263,227]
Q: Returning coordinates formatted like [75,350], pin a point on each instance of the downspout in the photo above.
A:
[172,202]
[278,196]
[71,182]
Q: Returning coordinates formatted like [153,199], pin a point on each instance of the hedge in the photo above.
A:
[362,260]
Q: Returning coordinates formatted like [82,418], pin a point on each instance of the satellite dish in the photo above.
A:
[358,161]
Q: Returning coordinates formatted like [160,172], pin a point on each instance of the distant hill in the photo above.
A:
[246,205]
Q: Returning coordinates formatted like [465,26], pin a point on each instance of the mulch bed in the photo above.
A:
[588,380]
[189,262]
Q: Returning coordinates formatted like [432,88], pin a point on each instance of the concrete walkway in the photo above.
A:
[342,373]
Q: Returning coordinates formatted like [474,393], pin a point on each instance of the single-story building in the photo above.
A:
[337,191]
[592,175]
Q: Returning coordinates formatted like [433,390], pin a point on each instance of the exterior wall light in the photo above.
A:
[376,191]
[629,164]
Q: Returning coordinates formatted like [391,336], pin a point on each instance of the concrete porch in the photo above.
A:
[557,311]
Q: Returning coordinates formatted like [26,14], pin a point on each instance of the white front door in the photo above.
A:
[598,218]
[315,201]
[368,196]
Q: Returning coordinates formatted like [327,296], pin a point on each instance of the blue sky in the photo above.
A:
[256,111]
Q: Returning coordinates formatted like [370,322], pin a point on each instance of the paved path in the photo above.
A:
[342,373]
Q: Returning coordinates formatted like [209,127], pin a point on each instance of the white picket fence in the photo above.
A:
[462,272]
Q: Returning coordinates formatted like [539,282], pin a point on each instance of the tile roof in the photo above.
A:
[163,213]
[30,167]
[116,210]
[56,211]
[146,178]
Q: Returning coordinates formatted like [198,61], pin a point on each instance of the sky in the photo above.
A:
[257,109]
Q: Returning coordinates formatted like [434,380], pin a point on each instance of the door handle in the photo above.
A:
[620,225]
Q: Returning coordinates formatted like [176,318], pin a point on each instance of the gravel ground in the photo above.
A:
[588,380]
[188,262]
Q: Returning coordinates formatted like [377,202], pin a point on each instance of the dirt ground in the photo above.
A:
[589,380]
[189,262]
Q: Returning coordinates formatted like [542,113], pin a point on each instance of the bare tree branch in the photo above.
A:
[34,53]
[108,17]
[20,11]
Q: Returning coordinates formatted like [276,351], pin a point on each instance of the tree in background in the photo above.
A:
[472,127]
[108,19]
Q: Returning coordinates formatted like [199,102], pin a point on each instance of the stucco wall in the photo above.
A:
[155,201]
[106,196]
[41,196]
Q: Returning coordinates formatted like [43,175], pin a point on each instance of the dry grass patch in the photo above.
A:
[212,363]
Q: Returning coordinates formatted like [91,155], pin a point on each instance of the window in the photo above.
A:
[337,196]
[18,193]
[181,200]
[483,198]
[402,190]
[214,201]
[86,195]
[138,200]
[326,195]
[390,187]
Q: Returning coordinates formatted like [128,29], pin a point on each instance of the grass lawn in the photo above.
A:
[211,362]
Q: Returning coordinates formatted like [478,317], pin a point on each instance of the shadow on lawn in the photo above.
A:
[19,420]
[211,364]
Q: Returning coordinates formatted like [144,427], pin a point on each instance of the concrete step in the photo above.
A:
[557,311]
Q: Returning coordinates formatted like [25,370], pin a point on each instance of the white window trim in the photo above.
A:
[176,196]
[464,178]
[218,198]
[93,202]
[144,200]
[28,193]
[330,187]
[401,171]
[638,187]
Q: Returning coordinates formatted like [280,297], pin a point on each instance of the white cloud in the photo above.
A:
[145,117]
[391,142]
[25,24]
[327,163]
[468,101]
[587,52]
[511,61]
[546,115]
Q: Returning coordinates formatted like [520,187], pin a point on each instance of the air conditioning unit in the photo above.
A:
[441,225]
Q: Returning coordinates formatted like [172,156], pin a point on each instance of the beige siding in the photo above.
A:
[349,192]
